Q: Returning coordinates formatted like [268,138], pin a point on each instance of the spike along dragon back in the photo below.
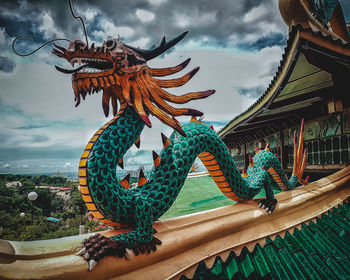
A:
[121,72]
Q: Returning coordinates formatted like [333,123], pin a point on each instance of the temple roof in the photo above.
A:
[312,63]
[319,250]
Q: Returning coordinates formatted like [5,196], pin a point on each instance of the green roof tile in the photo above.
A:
[337,219]
[331,229]
[291,265]
[299,239]
[260,261]
[310,237]
[334,251]
[231,266]
[274,262]
[337,269]
[321,267]
[308,268]
[320,250]
[246,264]
[218,267]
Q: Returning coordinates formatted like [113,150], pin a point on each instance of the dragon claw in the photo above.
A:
[86,256]
[81,252]
[268,205]
[92,264]
[147,247]
[97,247]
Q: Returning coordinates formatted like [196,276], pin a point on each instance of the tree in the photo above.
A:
[10,177]
[77,204]
[6,199]
[48,202]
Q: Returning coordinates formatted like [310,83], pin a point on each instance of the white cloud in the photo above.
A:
[6,165]
[256,13]
[68,164]
[143,42]
[3,36]
[110,30]
[145,16]
[48,27]
[195,19]
[89,14]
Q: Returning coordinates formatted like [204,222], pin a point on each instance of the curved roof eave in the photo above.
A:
[291,51]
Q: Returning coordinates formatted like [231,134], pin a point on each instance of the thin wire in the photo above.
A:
[82,21]
[29,38]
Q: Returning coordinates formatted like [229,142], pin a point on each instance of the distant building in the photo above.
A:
[59,191]
[13,184]
[65,193]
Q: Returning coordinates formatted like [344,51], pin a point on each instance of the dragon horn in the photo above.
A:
[142,179]
[125,181]
[165,141]
[193,119]
[163,47]
[137,142]
[156,158]
[121,163]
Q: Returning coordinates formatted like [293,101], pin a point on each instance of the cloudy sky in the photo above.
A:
[238,45]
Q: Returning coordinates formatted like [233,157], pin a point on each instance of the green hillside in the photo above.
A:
[198,194]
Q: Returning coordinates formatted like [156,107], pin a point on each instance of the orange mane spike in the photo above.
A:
[176,82]
[168,71]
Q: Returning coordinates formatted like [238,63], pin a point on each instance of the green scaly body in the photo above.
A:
[140,206]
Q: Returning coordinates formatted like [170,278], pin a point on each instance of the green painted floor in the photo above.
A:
[199,194]
[320,250]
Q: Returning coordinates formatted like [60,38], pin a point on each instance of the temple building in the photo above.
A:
[311,83]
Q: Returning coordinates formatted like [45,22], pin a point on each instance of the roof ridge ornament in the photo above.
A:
[309,15]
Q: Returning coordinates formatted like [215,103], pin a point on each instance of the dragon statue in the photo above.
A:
[123,75]
[134,92]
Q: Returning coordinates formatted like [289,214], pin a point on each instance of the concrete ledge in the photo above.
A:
[186,240]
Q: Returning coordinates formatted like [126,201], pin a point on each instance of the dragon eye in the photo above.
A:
[110,43]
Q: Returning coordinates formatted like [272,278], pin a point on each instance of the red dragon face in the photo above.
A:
[123,75]
[100,67]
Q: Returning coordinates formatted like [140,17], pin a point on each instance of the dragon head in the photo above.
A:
[121,72]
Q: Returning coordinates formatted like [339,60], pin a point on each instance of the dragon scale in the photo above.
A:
[116,205]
